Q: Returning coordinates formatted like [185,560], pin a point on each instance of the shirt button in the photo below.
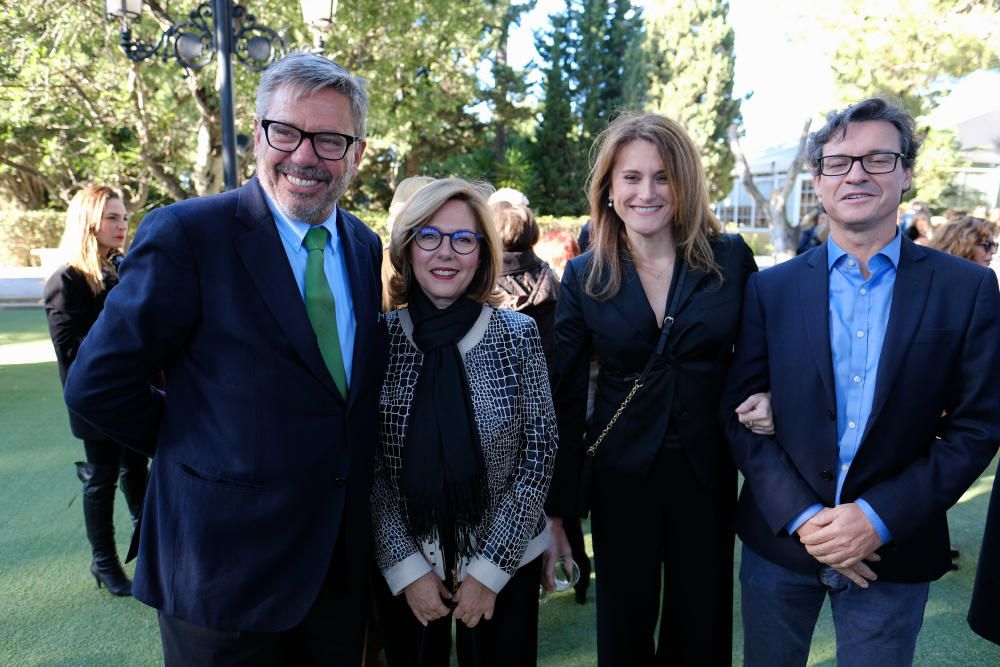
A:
[852,424]
[857,378]
[844,467]
[864,290]
[851,262]
[860,334]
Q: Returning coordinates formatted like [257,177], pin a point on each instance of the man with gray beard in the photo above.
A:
[260,306]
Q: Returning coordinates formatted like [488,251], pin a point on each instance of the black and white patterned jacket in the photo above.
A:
[509,382]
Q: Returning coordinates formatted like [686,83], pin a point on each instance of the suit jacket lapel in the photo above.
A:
[633,306]
[909,298]
[266,263]
[814,292]
[694,278]
[365,314]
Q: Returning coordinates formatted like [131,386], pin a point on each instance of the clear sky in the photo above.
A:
[790,81]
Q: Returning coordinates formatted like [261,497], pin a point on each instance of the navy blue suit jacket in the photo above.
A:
[259,464]
[935,421]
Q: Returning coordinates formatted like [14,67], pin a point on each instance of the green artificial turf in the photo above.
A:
[51,613]
[22,325]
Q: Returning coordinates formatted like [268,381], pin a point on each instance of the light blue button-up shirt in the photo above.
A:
[293,233]
[859,317]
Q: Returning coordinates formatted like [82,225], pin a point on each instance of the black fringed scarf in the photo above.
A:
[443,478]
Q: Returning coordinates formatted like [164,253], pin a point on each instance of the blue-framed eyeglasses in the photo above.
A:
[463,241]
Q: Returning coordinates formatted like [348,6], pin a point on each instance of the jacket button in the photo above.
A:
[827,475]
[340,481]
[831,415]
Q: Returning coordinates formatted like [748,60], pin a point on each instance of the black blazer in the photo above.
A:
[680,401]
[71,308]
[939,357]
[260,465]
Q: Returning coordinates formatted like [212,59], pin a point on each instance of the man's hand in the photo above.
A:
[860,574]
[755,413]
[475,602]
[424,597]
[843,537]
[558,548]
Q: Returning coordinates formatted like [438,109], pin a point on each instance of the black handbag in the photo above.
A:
[587,470]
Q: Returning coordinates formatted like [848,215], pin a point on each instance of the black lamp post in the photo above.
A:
[222,29]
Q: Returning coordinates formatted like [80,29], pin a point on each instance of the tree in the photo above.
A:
[604,30]
[774,207]
[78,110]
[509,86]
[915,52]
[690,64]
[559,162]
[422,60]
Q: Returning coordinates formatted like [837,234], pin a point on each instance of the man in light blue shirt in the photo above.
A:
[881,357]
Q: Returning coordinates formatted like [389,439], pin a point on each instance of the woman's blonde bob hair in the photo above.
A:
[417,213]
[79,246]
[693,224]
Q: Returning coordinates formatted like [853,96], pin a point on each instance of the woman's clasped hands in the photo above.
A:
[430,600]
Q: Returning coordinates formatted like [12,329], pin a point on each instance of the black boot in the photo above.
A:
[98,516]
[132,482]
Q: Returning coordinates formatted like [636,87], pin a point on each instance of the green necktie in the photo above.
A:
[321,308]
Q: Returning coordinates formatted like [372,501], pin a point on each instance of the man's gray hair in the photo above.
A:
[874,108]
[306,74]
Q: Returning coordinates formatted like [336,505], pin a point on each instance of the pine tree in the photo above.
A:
[509,85]
[690,63]
[605,31]
[559,164]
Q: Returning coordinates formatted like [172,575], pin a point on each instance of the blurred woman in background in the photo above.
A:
[92,244]
[815,228]
[527,283]
[970,238]
[406,189]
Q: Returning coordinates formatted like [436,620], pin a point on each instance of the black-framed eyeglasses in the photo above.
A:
[286,138]
[988,246]
[873,163]
[463,241]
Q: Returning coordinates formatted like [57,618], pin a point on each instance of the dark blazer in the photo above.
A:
[984,613]
[940,355]
[259,463]
[681,399]
[71,308]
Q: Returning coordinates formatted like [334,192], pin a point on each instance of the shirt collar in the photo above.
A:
[835,253]
[294,231]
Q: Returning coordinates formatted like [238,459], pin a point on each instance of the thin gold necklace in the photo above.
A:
[658,276]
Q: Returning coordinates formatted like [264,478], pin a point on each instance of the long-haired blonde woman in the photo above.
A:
[467,444]
[92,244]
[657,300]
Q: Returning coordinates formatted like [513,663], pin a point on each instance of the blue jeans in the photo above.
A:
[876,627]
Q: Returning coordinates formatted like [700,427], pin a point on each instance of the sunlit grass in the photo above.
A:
[51,613]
